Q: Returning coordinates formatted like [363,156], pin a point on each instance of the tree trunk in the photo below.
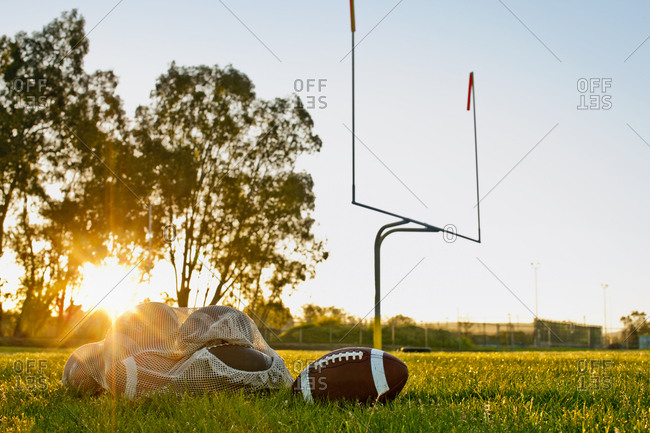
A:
[18,332]
[60,304]
[252,306]
[4,209]
[217,294]
[183,294]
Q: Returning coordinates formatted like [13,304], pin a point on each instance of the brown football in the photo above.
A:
[353,373]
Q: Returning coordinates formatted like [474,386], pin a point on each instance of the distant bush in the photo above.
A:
[330,333]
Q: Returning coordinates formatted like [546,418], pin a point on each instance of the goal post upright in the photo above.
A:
[394,227]
[383,232]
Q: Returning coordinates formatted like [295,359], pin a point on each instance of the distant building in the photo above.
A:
[644,341]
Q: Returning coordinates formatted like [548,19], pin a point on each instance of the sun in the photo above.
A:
[110,287]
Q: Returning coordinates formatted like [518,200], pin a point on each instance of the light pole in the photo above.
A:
[604,286]
[535,266]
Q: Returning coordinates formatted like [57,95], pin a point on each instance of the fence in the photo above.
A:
[448,335]
[461,335]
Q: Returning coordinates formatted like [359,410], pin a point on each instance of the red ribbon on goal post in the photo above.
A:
[469,91]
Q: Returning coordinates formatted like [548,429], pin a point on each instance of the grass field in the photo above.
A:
[446,392]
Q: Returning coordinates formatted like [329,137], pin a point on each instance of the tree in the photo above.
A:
[635,324]
[324,315]
[60,147]
[221,165]
[401,320]
[39,77]
[77,178]
[270,314]
[34,287]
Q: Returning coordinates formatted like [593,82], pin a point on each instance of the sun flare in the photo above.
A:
[110,287]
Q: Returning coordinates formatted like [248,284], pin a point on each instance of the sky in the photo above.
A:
[562,106]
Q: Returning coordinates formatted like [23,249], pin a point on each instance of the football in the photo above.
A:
[353,373]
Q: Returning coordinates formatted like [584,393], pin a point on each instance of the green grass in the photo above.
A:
[446,392]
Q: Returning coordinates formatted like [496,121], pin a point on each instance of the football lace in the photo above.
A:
[337,357]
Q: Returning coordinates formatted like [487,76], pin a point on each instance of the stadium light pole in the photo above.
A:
[394,227]
[535,267]
[604,286]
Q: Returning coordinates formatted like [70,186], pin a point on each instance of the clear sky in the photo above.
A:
[562,186]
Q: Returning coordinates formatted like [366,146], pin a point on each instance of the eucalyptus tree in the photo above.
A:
[62,142]
[222,165]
